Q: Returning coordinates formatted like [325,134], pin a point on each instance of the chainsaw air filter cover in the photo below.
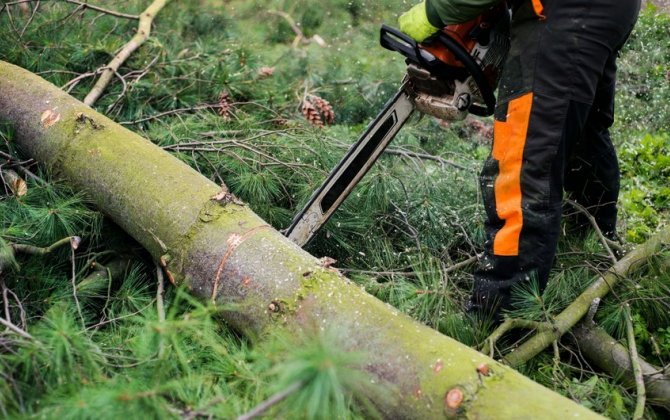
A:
[473,54]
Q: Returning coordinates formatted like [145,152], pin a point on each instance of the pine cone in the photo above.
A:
[224,105]
[324,108]
[266,71]
[311,114]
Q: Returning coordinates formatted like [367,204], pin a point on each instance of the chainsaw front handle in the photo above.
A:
[395,40]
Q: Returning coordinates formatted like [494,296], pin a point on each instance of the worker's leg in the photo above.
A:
[549,83]
[592,172]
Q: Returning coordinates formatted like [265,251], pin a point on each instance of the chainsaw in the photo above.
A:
[454,73]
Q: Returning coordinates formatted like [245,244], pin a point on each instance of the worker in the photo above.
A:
[551,130]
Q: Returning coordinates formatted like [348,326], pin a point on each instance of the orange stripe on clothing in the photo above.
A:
[538,8]
[509,141]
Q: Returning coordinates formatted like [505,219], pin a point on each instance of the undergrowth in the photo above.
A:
[109,353]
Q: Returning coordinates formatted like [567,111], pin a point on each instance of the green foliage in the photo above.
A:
[601,396]
[643,87]
[7,260]
[646,170]
[330,377]
[663,341]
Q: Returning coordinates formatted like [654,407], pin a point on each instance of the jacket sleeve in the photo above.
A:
[448,12]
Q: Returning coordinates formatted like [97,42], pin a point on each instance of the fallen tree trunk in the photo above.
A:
[223,252]
[612,357]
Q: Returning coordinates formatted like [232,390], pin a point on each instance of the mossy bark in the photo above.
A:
[224,252]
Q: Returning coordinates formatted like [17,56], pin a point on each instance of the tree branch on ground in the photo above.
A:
[508,325]
[272,401]
[564,321]
[143,32]
[594,224]
[82,5]
[601,349]
[635,363]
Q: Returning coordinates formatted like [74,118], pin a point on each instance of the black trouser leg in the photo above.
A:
[592,173]
[557,88]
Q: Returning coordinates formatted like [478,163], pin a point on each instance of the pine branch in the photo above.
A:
[81,5]
[592,220]
[299,36]
[272,401]
[143,32]
[160,307]
[73,248]
[423,156]
[635,363]
[575,311]
[35,250]
[15,329]
[85,5]
[508,325]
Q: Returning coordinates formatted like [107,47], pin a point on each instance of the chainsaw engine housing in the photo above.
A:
[473,54]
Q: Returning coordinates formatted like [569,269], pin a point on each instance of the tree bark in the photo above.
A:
[612,357]
[222,251]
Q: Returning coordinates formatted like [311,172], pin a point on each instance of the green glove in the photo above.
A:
[414,23]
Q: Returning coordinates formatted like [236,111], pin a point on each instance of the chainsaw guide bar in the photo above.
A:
[453,75]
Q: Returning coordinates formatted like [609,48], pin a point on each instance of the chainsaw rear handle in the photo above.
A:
[395,40]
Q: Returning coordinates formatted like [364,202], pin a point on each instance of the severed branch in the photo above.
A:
[635,363]
[508,325]
[24,8]
[35,250]
[299,36]
[23,4]
[270,402]
[606,243]
[7,321]
[592,311]
[160,306]
[402,152]
[172,112]
[423,156]
[576,311]
[74,244]
[143,32]
[462,264]
[15,329]
[7,257]
[85,6]
[604,351]
[12,161]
